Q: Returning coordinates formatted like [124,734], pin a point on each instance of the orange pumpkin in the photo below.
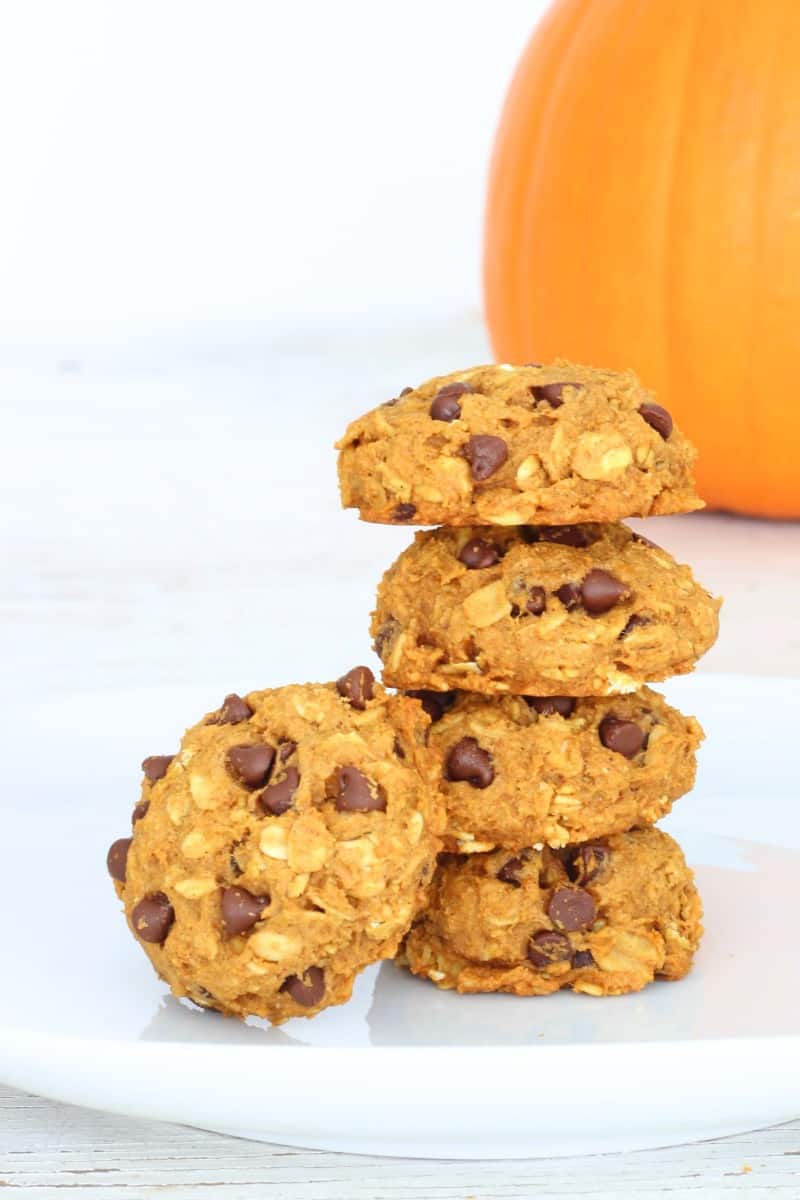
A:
[644,211]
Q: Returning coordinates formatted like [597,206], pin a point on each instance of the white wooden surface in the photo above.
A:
[54,1150]
[167,510]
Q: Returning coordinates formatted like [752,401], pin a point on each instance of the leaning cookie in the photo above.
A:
[520,770]
[289,843]
[603,918]
[583,610]
[504,445]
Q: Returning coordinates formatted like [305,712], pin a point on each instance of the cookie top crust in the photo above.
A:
[603,917]
[513,445]
[521,770]
[287,844]
[584,610]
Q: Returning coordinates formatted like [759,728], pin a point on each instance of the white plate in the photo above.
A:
[403,1068]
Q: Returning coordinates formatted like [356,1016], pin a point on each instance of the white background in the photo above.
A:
[169,160]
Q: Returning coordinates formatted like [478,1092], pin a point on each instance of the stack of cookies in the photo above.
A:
[491,822]
[528,625]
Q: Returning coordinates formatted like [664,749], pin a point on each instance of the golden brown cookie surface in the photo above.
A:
[516,770]
[288,844]
[586,610]
[503,445]
[603,918]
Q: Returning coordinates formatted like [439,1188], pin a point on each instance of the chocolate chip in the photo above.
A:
[476,554]
[234,710]
[307,990]
[537,601]
[155,767]
[552,393]
[405,392]
[240,909]
[657,418]
[277,798]
[548,947]
[404,512]
[356,686]
[635,620]
[601,590]
[485,455]
[445,406]
[152,918]
[583,958]
[579,536]
[286,750]
[571,908]
[139,811]
[251,765]
[467,762]
[356,793]
[587,862]
[623,737]
[456,388]
[570,595]
[398,748]
[117,858]
[435,704]
[548,706]
[508,872]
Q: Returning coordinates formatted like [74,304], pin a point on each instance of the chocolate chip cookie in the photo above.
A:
[289,842]
[603,917]
[520,770]
[576,610]
[505,445]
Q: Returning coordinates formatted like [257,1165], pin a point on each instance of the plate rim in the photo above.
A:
[445,1115]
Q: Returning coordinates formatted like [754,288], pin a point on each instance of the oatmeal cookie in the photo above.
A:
[576,610]
[604,917]
[288,843]
[505,445]
[520,770]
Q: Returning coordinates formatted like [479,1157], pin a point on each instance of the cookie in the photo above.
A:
[504,445]
[520,770]
[288,843]
[585,610]
[603,918]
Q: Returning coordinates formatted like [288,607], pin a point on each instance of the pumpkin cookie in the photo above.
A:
[583,610]
[521,770]
[603,917]
[504,445]
[288,843]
